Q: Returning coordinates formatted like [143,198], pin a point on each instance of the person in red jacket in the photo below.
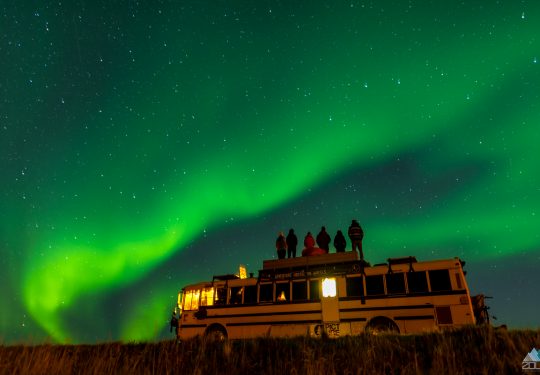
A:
[356,234]
[309,241]
[310,249]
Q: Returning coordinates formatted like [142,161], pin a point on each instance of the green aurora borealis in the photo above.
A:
[144,147]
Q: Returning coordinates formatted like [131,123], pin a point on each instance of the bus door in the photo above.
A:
[330,307]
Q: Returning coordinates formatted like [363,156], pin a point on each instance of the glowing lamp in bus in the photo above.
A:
[329,287]
[242,271]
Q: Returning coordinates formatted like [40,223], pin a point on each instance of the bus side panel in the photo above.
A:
[275,319]
[357,328]
[187,331]
[247,332]
[461,314]
[417,326]
[289,330]
[189,326]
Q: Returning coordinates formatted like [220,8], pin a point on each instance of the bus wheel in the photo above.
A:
[381,325]
[216,333]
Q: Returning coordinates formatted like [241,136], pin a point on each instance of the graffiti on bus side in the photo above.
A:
[331,329]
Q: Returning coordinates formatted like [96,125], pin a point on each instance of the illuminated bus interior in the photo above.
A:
[283,291]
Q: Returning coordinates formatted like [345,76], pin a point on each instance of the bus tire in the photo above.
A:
[216,333]
[381,325]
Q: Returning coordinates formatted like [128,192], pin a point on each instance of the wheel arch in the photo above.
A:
[216,327]
[382,321]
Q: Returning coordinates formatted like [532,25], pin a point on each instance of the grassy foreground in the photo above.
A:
[473,350]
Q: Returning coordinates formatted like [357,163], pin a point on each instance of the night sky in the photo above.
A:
[148,145]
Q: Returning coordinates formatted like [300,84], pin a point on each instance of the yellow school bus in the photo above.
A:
[331,294]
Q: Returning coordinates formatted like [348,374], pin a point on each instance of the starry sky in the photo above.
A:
[147,145]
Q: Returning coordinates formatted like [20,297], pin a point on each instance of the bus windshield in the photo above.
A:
[193,298]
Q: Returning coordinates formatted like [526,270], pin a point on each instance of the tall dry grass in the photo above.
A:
[472,350]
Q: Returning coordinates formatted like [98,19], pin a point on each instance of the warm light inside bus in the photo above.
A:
[207,297]
[329,287]
[191,299]
[242,271]
[179,301]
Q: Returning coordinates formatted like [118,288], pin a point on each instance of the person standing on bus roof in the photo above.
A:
[356,234]
[281,246]
[292,242]
[340,242]
[309,241]
[309,245]
[323,239]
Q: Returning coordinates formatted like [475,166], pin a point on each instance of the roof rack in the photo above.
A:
[402,260]
[311,260]
[309,266]
[225,277]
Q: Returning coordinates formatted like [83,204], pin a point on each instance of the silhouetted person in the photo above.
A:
[340,242]
[323,239]
[292,242]
[309,241]
[281,246]
[356,234]
[174,323]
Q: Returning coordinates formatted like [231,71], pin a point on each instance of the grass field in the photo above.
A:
[473,350]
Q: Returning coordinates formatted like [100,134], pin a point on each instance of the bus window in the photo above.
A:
[250,294]
[191,301]
[299,291]
[314,290]
[444,314]
[221,296]
[439,280]
[266,292]
[354,285]
[236,295]
[180,302]
[207,297]
[374,285]
[283,291]
[458,281]
[187,300]
[417,282]
[395,283]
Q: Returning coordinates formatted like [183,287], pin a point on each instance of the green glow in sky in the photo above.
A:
[131,133]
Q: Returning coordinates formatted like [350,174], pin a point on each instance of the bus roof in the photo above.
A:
[334,263]
[343,258]
[310,260]
[348,263]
